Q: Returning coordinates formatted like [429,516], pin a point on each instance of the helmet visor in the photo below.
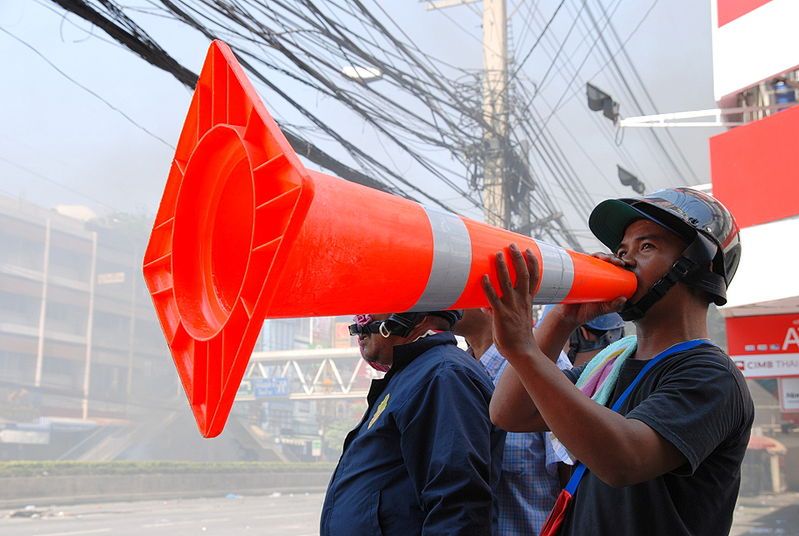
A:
[610,219]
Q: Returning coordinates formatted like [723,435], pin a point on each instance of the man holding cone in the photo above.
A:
[660,446]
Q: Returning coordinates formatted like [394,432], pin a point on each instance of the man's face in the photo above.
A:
[649,250]
[374,347]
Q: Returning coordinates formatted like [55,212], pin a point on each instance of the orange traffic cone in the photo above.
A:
[244,232]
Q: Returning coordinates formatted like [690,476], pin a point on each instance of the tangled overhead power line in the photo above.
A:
[426,115]
[423,112]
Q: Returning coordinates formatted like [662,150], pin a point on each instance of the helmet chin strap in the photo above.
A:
[694,259]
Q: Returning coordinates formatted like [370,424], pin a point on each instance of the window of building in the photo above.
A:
[73,264]
[16,367]
[19,309]
[66,318]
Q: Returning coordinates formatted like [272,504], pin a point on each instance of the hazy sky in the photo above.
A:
[60,144]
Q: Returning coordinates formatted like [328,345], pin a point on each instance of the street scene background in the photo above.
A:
[96,435]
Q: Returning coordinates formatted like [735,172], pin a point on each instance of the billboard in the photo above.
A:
[276,386]
[245,390]
[765,346]
[789,395]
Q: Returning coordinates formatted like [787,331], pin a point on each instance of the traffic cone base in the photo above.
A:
[244,232]
[216,235]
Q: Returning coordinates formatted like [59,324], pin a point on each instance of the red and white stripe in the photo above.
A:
[453,264]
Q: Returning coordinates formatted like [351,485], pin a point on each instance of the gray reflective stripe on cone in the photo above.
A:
[557,274]
[452,261]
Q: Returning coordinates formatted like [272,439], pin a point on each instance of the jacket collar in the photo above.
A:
[405,353]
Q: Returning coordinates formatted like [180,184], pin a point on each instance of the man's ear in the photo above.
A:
[419,329]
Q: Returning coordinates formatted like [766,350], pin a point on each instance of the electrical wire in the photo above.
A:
[541,35]
[566,66]
[86,89]
[56,183]
[647,94]
[420,111]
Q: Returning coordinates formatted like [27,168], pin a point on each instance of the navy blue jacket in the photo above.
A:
[425,458]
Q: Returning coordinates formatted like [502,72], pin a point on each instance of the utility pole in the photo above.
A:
[507,181]
[495,112]
[496,195]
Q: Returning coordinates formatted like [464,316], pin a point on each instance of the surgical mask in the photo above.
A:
[363,320]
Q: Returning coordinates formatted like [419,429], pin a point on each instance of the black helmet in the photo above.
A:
[711,257]
[403,323]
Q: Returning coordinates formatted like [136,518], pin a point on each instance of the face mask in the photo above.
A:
[380,367]
[363,320]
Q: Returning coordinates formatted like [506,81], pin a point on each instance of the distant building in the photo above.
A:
[81,349]
[78,338]
[304,333]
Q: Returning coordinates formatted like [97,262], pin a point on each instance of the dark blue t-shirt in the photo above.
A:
[699,402]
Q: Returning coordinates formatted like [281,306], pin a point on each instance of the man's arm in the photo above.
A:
[631,451]
[445,438]
[512,409]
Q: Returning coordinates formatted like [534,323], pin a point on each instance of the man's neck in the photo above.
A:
[657,332]
[480,343]
[584,357]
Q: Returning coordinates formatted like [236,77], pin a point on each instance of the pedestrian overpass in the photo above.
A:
[313,374]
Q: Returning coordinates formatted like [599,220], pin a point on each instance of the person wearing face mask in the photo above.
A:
[425,458]
[589,339]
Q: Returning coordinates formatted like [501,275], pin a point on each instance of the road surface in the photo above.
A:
[284,515]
